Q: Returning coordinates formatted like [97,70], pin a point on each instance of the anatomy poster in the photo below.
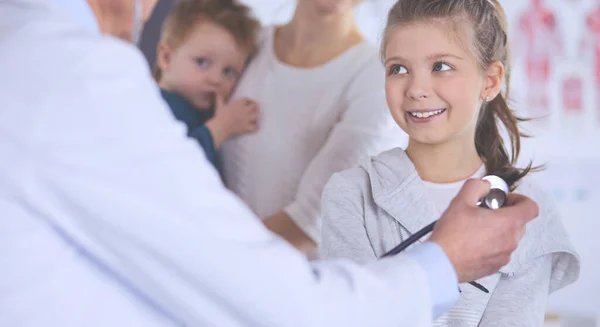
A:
[540,43]
[591,46]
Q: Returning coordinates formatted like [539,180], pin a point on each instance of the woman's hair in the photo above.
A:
[228,14]
[490,44]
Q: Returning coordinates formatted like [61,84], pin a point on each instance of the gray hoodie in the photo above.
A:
[368,210]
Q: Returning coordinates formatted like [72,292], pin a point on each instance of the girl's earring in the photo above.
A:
[488,99]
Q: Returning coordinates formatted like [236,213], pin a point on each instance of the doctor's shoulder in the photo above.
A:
[105,71]
[104,86]
[115,56]
[88,63]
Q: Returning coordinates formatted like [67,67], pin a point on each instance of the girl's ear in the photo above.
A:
[163,55]
[494,77]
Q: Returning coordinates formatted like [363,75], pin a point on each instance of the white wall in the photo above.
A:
[569,142]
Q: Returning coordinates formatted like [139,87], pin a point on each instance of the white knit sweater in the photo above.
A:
[314,122]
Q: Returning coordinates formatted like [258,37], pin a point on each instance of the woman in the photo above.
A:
[320,89]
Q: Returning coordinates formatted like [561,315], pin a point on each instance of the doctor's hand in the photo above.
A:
[480,241]
[231,119]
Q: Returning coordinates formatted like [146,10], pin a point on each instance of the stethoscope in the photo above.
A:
[496,198]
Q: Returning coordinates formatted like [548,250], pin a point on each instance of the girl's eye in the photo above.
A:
[202,62]
[230,72]
[397,69]
[441,66]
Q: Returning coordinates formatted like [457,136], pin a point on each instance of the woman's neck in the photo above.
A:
[446,162]
[311,39]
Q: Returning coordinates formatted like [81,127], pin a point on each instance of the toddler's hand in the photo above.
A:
[231,119]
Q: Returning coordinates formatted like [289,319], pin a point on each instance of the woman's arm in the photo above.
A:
[520,300]
[342,230]
[283,225]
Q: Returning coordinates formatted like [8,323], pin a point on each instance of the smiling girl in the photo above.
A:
[446,62]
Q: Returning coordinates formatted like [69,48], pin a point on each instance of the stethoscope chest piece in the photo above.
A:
[497,197]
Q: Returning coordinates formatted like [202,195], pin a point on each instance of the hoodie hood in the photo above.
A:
[398,189]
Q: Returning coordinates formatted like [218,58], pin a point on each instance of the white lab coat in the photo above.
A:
[110,216]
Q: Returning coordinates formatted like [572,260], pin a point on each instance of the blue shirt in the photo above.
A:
[194,119]
[440,273]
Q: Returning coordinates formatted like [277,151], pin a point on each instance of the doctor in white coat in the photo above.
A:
[110,216]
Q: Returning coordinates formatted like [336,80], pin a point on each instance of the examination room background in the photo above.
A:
[567,91]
